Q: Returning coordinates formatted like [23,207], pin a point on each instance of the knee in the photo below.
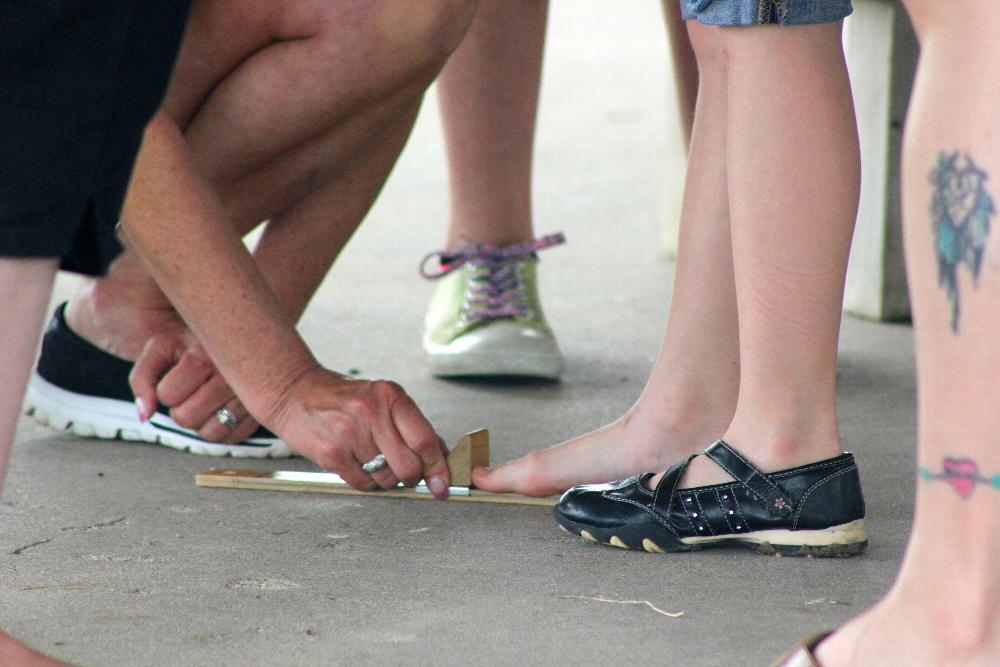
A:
[921,13]
[403,34]
[709,47]
[956,21]
[427,31]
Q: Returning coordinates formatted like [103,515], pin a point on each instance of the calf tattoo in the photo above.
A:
[962,474]
[960,217]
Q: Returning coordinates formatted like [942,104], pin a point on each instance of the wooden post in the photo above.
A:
[471,451]
[881,56]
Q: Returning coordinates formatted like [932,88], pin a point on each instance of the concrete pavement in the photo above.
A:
[109,555]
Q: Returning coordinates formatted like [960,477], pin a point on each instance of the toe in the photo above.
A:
[520,476]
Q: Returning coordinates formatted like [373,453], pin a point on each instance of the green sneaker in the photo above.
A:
[485,317]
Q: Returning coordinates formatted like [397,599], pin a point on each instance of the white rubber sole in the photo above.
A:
[109,419]
[468,364]
[840,541]
[850,536]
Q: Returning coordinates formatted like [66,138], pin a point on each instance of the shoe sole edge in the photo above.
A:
[111,419]
[547,367]
[841,541]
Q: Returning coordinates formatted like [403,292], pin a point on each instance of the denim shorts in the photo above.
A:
[755,12]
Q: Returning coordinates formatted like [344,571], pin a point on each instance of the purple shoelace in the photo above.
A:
[498,291]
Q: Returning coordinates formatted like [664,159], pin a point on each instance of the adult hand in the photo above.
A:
[176,371]
[341,422]
[337,421]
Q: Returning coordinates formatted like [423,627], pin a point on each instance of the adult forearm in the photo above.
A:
[175,221]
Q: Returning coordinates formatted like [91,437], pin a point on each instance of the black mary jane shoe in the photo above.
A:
[811,510]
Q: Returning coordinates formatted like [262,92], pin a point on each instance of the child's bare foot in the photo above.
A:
[635,443]
[13,652]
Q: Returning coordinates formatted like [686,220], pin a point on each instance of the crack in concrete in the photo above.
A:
[20,550]
[96,526]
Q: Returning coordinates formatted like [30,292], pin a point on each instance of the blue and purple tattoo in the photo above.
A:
[960,216]
[962,475]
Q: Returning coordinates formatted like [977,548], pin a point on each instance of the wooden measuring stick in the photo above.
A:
[472,450]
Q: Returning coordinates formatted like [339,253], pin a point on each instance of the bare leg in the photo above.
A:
[267,159]
[489,100]
[685,67]
[25,285]
[12,652]
[944,608]
[344,83]
[485,318]
[691,393]
[789,251]
[794,178]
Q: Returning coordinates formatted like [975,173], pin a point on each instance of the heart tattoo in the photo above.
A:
[962,475]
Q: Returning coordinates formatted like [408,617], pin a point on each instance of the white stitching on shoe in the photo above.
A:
[726,468]
[677,481]
[704,519]
[739,510]
[796,471]
[753,468]
[723,506]
[642,486]
[802,500]
[649,511]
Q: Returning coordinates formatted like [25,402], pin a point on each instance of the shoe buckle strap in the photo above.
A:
[777,501]
[669,483]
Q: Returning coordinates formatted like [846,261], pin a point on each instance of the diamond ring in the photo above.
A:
[376,464]
[226,417]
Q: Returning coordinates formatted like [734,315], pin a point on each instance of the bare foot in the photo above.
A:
[13,652]
[633,444]
[119,326]
[895,632]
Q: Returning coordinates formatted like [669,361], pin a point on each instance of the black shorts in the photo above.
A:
[79,80]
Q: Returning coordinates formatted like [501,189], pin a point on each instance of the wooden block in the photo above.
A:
[471,451]
[323,482]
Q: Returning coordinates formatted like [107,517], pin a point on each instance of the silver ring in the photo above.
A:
[376,464]
[226,417]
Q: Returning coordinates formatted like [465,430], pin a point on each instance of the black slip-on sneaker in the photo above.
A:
[810,510]
[80,388]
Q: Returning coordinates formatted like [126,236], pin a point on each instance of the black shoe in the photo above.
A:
[79,388]
[812,510]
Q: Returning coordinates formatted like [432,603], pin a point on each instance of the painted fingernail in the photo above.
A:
[437,487]
[140,405]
